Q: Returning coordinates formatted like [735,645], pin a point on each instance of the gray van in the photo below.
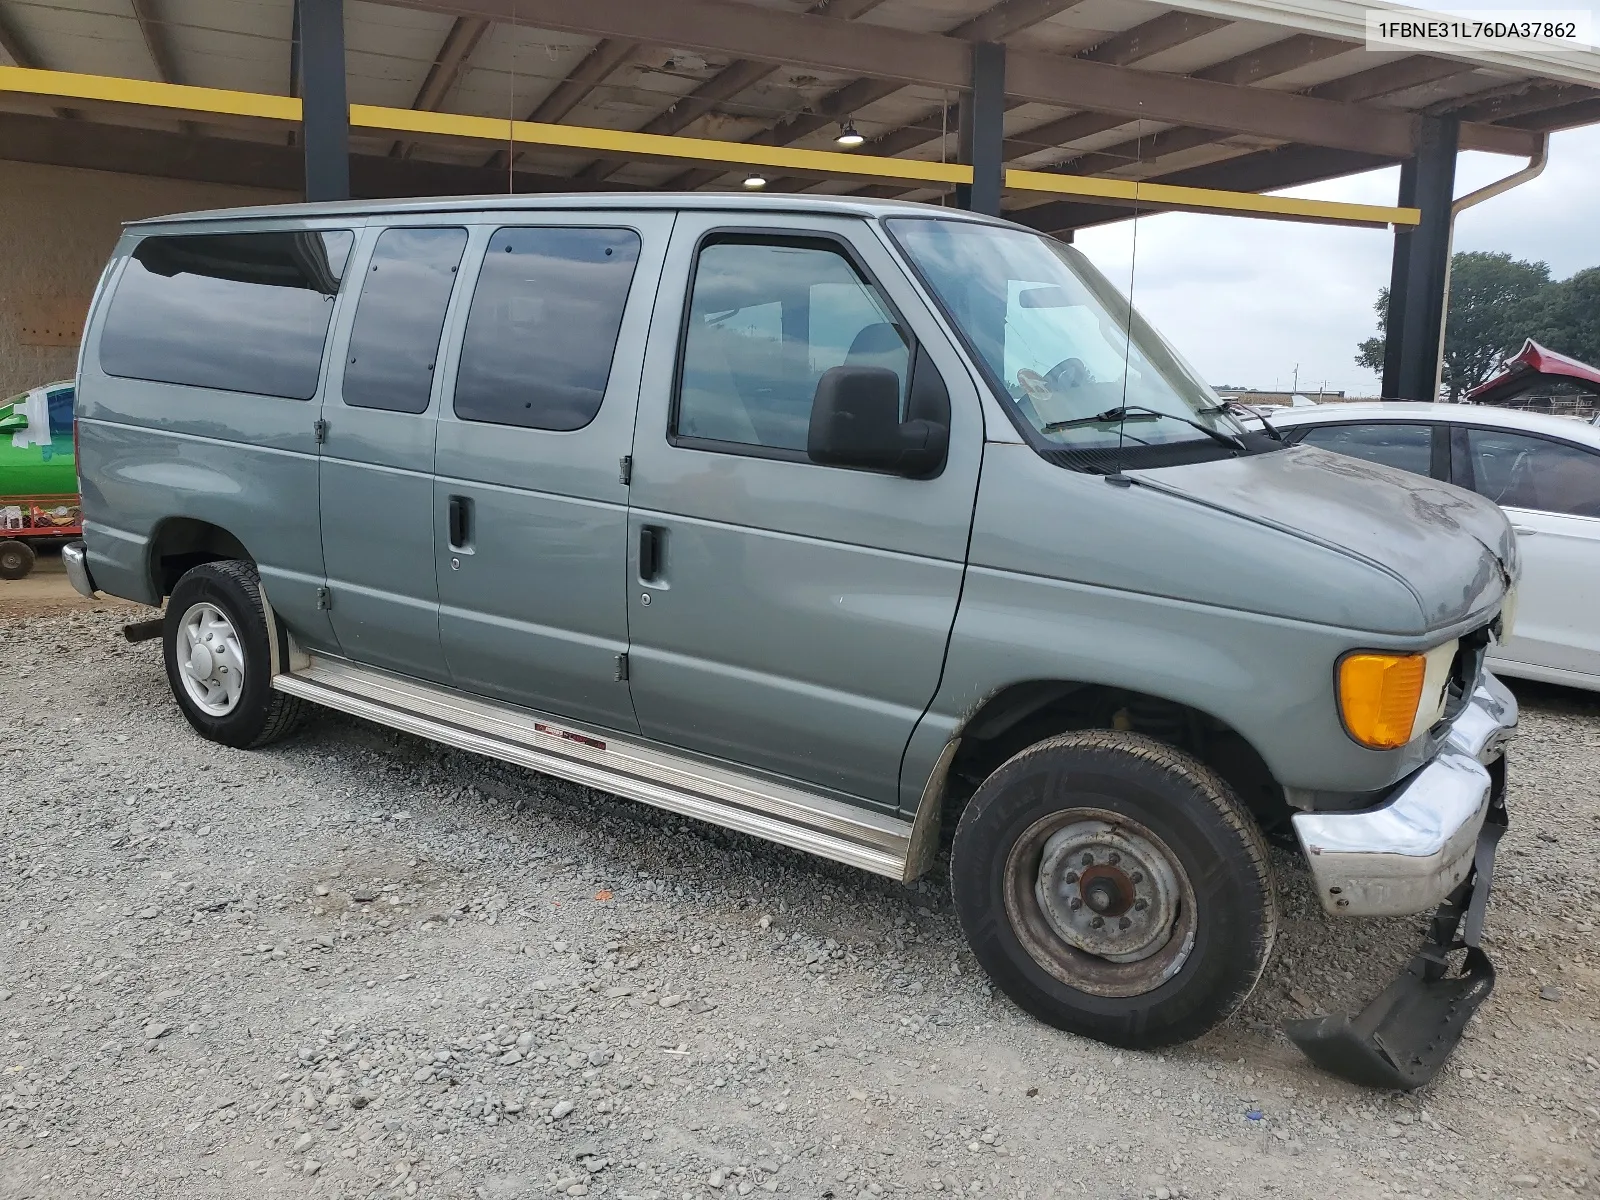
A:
[860,527]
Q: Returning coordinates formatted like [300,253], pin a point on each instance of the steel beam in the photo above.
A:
[983,110]
[908,57]
[1259,172]
[1425,275]
[162,154]
[325,124]
[463,38]
[724,85]
[1399,267]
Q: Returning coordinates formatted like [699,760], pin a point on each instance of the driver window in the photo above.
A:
[1529,472]
[766,320]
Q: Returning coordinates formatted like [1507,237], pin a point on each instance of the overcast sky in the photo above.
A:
[1247,301]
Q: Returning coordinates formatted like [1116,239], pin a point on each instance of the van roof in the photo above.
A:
[859,206]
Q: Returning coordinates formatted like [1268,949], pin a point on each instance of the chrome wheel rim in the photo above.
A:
[210,659]
[1100,902]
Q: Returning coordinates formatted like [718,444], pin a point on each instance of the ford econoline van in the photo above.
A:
[861,527]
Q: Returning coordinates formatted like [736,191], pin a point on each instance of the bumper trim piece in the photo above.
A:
[1412,851]
[1408,1032]
[75,558]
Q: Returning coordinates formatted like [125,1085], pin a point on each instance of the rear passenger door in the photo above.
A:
[788,616]
[530,502]
[381,410]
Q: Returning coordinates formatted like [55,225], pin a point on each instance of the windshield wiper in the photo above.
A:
[1137,412]
[1232,410]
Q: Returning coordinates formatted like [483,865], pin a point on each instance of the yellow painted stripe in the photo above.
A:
[218,101]
[1129,191]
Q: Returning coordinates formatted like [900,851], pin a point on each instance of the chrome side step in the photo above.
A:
[789,816]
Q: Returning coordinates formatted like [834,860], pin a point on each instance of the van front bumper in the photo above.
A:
[1409,853]
[75,558]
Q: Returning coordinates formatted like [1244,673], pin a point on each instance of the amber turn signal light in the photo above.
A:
[1379,695]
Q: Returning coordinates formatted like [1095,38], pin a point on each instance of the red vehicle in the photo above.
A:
[1565,385]
[38,475]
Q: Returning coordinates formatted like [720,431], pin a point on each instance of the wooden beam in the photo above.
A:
[97,146]
[1568,116]
[463,38]
[1388,78]
[1503,104]
[1277,58]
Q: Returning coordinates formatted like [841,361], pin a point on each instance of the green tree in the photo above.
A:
[1567,317]
[1495,302]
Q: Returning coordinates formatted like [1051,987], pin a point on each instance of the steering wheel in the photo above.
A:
[1068,373]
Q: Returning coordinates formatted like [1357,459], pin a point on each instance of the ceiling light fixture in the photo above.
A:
[755,181]
[849,137]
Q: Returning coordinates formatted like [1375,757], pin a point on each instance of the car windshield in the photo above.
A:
[1081,367]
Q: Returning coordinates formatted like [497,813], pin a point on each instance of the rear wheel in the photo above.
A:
[219,659]
[16,559]
[1114,886]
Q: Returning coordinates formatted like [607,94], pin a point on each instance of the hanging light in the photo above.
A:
[755,181]
[849,137]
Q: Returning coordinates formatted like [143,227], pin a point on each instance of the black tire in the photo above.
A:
[261,714]
[1066,792]
[16,559]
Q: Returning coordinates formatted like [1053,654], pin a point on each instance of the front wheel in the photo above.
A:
[1113,886]
[219,659]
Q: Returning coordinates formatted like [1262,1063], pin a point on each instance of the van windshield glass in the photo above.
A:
[1077,363]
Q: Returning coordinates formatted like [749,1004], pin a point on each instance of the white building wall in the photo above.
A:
[58,226]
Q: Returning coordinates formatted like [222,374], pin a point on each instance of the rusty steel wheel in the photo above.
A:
[1100,902]
[1112,885]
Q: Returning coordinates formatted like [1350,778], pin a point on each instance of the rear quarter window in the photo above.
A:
[239,312]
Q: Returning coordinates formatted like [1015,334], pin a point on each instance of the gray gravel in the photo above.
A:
[357,964]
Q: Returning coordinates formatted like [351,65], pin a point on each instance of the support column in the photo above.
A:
[982,130]
[325,114]
[1413,334]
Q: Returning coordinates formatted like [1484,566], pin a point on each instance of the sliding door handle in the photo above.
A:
[652,553]
[460,513]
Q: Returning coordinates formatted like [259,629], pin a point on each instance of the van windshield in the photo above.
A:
[1077,363]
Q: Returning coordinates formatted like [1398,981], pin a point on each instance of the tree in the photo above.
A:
[1567,316]
[1495,302]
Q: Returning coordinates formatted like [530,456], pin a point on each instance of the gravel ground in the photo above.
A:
[357,964]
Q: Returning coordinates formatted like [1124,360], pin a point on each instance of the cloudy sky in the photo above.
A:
[1249,301]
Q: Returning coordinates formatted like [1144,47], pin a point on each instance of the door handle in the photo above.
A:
[652,552]
[1523,531]
[460,512]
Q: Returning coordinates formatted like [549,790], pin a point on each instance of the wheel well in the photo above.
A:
[183,543]
[1022,714]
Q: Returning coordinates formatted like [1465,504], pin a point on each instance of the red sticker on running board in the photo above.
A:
[567,734]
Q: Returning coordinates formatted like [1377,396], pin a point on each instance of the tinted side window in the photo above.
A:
[766,319]
[1409,447]
[1529,472]
[395,340]
[243,312]
[543,326]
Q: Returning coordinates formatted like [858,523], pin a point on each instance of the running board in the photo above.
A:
[778,813]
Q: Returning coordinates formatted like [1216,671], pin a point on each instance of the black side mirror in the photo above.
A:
[855,422]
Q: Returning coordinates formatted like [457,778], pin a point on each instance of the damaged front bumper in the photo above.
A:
[1433,841]
[1409,853]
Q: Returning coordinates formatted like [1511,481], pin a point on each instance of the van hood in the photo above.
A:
[1453,549]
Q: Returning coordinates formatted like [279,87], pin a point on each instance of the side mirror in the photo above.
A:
[855,422]
[13,421]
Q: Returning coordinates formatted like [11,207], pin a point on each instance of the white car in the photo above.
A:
[1543,470]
